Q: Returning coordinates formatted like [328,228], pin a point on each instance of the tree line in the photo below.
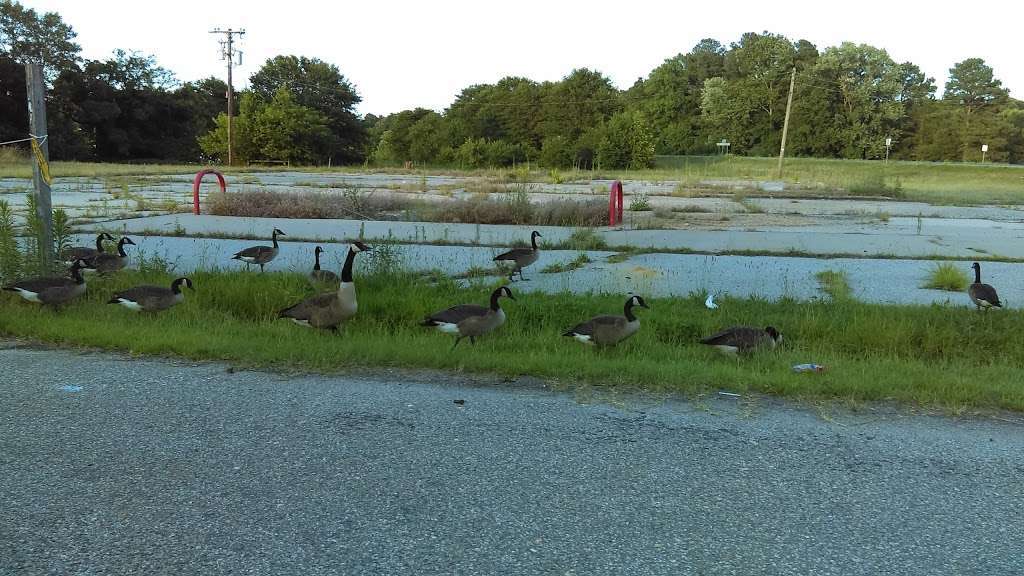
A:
[847,101]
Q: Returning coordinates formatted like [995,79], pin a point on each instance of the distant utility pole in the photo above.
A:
[785,124]
[227,52]
[37,128]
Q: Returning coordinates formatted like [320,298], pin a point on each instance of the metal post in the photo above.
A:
[37,127]
[228,53]
[785,124]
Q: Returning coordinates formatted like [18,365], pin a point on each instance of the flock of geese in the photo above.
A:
[332,309]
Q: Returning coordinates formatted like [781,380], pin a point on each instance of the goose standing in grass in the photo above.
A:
[318,275]
[52,290]
[470,320]
[261,255]
[521,257]
[105,263]
[330,309]
[69,255]
[609,330]
[743,339]
[147,298]
[983,295]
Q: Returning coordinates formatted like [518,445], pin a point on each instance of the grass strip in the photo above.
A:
[945,357]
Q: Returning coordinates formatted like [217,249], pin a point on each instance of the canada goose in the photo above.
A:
[318,275]
[52,290]
[105,263]
[608,330]
[330,309]
[469,319]
[522,257]
[983,295]
[69,255]
[261,255]
[738,339]
[149,298]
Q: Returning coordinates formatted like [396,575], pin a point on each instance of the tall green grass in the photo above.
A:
[946,276]
[937,356]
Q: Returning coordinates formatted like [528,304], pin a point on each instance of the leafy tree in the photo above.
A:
[26,36]
[214,144]
[286,130]
[865,86]
[972,85]
[583,99]
[319,86]
[627,142]
[13,100]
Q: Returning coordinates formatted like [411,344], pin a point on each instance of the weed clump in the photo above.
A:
[946,276]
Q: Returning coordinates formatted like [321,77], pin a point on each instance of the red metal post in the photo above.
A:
[199,180]
[615,203]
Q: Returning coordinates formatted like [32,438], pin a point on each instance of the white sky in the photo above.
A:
[403,54]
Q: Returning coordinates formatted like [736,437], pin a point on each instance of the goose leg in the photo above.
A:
[457,340]
[472,340]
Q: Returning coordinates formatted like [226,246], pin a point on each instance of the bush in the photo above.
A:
[556,152]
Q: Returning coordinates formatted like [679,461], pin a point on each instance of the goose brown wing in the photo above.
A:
[985,292]
[252,251]
[514,254]
[739,336]
[39,284]
[595,324]
[144,294]
[304,309]
[78,253]
[456,314]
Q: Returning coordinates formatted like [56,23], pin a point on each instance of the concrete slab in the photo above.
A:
[664,275]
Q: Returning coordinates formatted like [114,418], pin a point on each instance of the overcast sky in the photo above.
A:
[422,53]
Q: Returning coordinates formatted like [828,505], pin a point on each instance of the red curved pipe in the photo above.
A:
[615,203]
[199,180]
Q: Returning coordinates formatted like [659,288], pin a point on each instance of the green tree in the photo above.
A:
[26,36]
[979,96]
[583,99]
[319,86]
[286,130]
[627,142]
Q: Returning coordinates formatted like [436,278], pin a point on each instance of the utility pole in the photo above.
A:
[37,128]
[785,124]
[227,52]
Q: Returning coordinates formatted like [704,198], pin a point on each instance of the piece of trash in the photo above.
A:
[808,368]
[710,302]
[460,401]
[729,394]
[71,388]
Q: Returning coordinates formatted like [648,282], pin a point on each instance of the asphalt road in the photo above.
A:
[159,467]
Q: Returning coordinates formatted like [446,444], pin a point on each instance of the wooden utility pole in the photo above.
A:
[785,124]
[37,129]
[227,52]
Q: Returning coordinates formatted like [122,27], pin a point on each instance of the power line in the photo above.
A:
[228,53]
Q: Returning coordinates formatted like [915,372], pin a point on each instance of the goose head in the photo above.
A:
[359,246]
[638,301]
[318,250]
[126,240]
[278,232]
[504,291]
[184,282]
[775,335]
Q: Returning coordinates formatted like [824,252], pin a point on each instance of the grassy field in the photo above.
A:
[939,183]
[933,356]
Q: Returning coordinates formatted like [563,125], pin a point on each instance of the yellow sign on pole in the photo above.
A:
[44,166]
